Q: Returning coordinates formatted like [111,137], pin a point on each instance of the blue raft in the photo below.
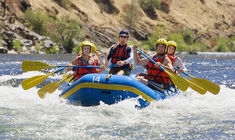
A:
[92,89]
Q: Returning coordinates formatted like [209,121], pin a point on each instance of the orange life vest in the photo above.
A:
[79,72]
[119,53]
[172,58]
[156,74]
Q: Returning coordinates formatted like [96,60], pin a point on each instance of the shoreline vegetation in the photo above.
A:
[67,35]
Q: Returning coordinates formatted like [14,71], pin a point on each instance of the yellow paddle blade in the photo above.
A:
[207,85]
[34,65]
[193,85]
[33,81]
[179,81]
[49,88]
[67,79]
[44,90]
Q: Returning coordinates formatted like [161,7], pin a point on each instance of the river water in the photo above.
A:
[23,115]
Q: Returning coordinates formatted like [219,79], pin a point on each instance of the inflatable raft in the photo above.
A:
[92,89]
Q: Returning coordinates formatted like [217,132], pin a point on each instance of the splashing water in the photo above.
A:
[23,115]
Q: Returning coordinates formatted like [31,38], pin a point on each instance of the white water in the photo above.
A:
[23,115]
[186,116]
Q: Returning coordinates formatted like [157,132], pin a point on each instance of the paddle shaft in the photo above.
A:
[150,59]
[79,66]
[58,70]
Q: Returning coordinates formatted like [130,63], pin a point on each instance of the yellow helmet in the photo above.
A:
[87,43]
[172,43]
[161,41]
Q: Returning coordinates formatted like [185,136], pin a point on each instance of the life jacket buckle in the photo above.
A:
[108,76]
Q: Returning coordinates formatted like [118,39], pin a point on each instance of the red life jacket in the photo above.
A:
[119,53]
[156,74]
[172,58]
[79,72]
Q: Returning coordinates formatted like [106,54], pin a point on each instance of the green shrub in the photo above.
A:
[37,20]
[232,38]
[131,43]
[64,31]
[53,49]
[197,47]
[99,48]
[76,49]
[223,44]
[160,32]
[37,48]
[178,38]
[149,4]
[188,36]
[17,46]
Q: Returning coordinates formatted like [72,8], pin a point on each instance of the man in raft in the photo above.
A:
[87,59]
[120,54]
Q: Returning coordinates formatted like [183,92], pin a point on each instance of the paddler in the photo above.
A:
[156,78]
[175,60]
[120,54]
[87,59]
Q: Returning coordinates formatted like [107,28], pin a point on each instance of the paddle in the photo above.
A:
[28,65]
[67,80]
[193,85]
[36,80]
[196,87]
[207,85]
[179,81]
[52,86]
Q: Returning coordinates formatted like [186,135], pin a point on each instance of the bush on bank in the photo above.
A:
[63,30]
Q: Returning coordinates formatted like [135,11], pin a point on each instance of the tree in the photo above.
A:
[133,13]
[64,31]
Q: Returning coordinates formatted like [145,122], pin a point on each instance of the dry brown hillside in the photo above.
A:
[101,20]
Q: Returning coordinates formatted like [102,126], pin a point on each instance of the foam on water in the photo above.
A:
[25,115]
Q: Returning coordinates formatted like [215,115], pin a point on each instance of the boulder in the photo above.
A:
[165,5]
[140,36]
[3,50]
[26,42]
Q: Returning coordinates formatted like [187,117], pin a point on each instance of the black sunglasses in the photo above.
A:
[121,36]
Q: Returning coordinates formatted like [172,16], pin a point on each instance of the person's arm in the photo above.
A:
[99,58]
[166,64]
[129,58]
[179,64]
[137,59]
[106,62]
[110,55]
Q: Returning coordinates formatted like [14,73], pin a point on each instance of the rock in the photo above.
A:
[48,43]
[3,50]
[107,6]
[4,43]
[150,12]
[26,42]
[12,52]
[165,5]
[141,36]
[193,53]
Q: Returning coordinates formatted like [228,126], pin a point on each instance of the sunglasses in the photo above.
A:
[123,36]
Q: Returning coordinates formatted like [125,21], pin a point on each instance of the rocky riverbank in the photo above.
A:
[101,20]
[12,30]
